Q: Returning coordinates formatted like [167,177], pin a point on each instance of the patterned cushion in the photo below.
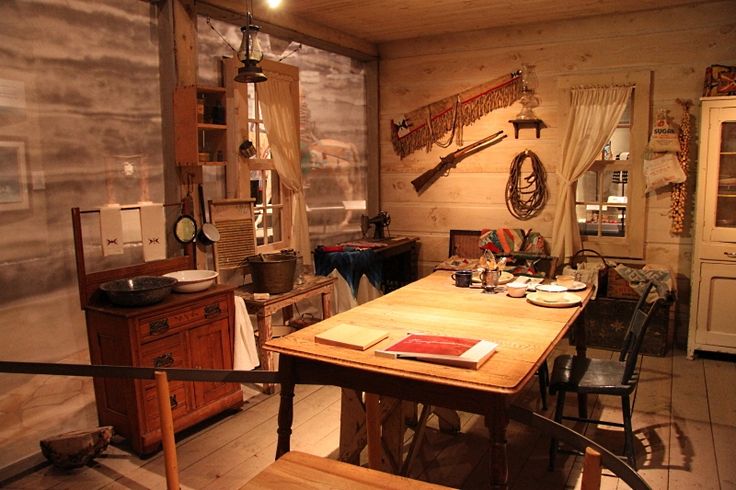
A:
[534,243]
[502,240]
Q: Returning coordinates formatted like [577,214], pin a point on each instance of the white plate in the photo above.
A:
[576,286]
[565,300]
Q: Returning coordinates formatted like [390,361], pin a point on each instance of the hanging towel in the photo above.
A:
[246,352]
[153,231]
[111,230]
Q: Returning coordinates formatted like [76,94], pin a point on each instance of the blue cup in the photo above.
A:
[463,278]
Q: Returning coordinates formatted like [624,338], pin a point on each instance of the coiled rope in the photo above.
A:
[525,201]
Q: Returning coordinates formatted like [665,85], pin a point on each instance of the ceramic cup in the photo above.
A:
[463,278]
[565,280]
[516,289]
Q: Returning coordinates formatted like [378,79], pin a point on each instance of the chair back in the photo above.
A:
[635,334]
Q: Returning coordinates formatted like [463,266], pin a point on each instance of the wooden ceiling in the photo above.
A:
[380,21]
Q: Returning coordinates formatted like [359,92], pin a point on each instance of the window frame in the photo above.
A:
[632,245]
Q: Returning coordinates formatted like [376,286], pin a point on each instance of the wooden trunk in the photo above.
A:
[606,321]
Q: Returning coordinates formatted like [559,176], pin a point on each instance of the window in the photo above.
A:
[271,208]
[609,199]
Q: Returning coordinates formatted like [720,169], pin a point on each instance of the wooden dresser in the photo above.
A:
[185,331]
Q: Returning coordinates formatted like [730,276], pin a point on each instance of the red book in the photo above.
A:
[453,351]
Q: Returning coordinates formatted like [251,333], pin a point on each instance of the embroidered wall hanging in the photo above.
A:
[423,127]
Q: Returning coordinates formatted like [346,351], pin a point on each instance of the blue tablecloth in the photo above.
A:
[351,265]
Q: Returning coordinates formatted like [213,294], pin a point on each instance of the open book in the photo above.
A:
[453,351]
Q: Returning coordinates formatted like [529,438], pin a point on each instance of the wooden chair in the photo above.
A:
[604,377]
[596,456]
[292,470]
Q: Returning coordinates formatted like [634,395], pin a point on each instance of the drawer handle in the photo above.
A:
[164,360]
[158,327]
[730,255]
[173,402]
[212,310]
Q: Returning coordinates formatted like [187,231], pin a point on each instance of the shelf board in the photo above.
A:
[210,126]
[211,89]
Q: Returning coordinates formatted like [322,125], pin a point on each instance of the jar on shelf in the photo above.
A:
[200,108]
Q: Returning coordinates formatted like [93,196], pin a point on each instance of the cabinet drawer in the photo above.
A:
[153,327]
[166,352]
[177,400]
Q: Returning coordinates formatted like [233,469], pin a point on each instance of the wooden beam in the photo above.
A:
[285,26]
[185,42]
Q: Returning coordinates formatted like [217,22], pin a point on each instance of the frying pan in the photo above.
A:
[208,233]
[185,228]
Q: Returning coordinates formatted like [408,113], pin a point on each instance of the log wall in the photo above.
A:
[676,44]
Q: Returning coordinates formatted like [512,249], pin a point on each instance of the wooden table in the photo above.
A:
[265,308]
[526,334]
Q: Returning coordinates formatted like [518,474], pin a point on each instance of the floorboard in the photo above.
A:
[684,421]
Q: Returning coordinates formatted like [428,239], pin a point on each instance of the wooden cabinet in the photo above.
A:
[186,331]
[712,307]
[200,129]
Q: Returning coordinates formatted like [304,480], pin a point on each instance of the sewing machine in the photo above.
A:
[379,223]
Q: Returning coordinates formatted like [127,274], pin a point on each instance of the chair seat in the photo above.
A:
[583,375]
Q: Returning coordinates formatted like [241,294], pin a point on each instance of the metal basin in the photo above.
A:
[138,291]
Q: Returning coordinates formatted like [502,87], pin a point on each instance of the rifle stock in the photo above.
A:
[450,161]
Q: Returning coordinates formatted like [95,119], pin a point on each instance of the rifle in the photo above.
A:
[450,161]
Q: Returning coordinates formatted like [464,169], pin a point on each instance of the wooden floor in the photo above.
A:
[684,420]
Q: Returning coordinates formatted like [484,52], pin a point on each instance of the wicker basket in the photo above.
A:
[272,273]
[582,256]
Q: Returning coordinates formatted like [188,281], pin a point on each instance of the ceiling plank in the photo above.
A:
[292,28]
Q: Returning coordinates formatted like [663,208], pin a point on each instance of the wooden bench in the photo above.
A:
[312,472]
[293,469]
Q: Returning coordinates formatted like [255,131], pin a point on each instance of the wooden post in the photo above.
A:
[167,431]
[591,470]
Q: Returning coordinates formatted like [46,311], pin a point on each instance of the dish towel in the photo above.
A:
[111,230]
[153,231]
[245,352]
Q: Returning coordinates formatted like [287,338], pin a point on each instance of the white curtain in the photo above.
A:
[594,113]
[279,102]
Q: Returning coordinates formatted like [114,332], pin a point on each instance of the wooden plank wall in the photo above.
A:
[676,44]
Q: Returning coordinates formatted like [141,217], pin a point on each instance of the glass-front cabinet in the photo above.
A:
[712,306]
[721,175]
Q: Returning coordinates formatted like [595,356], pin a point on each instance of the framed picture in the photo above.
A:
[13,176]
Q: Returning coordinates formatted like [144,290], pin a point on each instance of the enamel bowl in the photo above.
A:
[138,291]
[550,292]
[193,280]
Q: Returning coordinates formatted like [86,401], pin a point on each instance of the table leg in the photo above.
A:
[373,428]
[352,426]
[497,421]
[286,406]
[327,305]
[265,332]
[581,351]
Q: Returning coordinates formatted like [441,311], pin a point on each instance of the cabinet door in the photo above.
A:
[716,305]
[210,347]
[720,195]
